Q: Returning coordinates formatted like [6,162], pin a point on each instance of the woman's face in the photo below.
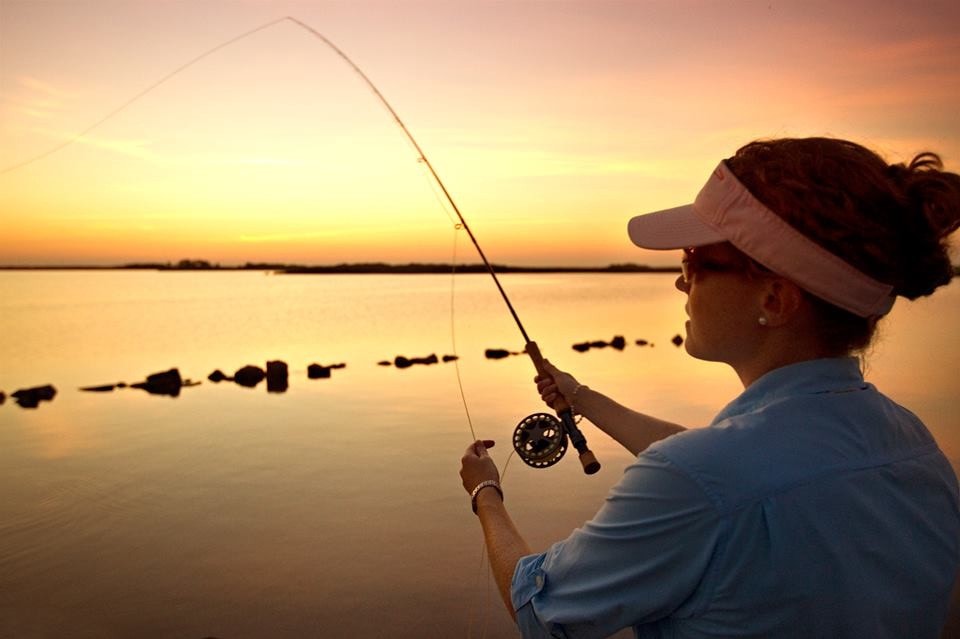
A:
[724,302]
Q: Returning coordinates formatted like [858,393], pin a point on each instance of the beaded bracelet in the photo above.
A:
[573,399]
[489,483]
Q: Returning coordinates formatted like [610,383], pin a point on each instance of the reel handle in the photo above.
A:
[587,459]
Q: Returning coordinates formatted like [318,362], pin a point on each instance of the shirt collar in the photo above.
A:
[804,378]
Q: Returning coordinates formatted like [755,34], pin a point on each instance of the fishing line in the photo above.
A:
[138,96]
[453,330]
[539,439]
[586,457]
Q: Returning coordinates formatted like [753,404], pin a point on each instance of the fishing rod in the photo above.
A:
[539,439]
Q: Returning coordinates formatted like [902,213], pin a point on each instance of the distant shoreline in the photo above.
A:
[360,268]
[373,268]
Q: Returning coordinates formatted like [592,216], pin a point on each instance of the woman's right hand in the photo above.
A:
[554,384]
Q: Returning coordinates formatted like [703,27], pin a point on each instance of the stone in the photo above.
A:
[642,342]
[31,397]
[450,358]
[217,376]
[618,342]
[677,340]
[278,377]
[249,376]
[406,362]
[496,353]
[106,388]
[582,347]
[164,383]
[316,371]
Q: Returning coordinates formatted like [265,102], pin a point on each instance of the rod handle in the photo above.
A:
[587,459]
[533,351]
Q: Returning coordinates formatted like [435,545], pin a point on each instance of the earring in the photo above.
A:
[762,321]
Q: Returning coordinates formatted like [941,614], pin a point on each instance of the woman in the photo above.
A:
[812,506]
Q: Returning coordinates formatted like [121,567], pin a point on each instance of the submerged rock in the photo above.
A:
[618,342]
[218,376]
[31,397]
[643,342]
[450,358]
[677,340]
[106,388]
[497,353]
[404,362]
[384,362]
[165,383]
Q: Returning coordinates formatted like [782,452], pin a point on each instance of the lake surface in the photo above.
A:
[335,508]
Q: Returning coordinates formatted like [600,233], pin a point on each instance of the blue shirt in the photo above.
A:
[813,506]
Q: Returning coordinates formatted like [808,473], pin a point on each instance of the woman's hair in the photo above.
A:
[891,222]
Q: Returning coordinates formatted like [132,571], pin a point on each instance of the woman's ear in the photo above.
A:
[782,300]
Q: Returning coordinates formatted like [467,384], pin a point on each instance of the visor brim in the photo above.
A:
[674,228]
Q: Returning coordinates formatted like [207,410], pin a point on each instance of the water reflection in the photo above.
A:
[306,505]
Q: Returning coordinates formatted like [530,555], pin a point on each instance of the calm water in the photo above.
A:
[335,508]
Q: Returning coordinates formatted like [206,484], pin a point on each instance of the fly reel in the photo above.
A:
[540,440]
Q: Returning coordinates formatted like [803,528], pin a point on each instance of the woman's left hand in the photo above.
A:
[477,466]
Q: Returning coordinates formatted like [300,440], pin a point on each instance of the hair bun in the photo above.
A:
[931,198]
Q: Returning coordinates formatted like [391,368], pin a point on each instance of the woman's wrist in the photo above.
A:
[577,398]
[485,490]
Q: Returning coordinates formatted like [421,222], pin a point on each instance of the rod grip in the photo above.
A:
[587,459]
[533,351]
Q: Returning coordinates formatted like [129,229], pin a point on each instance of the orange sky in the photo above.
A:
[550,122]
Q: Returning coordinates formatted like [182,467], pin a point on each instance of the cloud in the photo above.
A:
[133,148]
[38,99]
[39,86]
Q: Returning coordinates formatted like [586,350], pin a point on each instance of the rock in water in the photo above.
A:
[316,371]
[496,353]
[31,397]
[277,377]
[217,376]
[618,342]
[165,383]
[677,340]
[249,376]
[106,388]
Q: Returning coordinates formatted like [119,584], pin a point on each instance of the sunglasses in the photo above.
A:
[694,262]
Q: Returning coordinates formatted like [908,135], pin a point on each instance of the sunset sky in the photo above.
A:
[550,122]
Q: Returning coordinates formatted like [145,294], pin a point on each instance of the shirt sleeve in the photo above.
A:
[637,561]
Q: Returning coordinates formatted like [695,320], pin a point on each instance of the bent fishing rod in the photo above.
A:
[540,440]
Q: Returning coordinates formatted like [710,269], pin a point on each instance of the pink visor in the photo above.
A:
[725,211]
